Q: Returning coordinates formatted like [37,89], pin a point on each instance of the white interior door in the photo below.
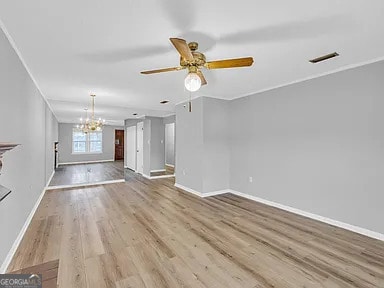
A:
[140,145]
[131,148]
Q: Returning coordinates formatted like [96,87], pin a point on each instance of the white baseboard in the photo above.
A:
[84,184]
[200,194]
[336,223]
[356,229]
[160,170]
[157,177]
[162,176]
[87,162]
[16,243]
[170,165]
[50,179]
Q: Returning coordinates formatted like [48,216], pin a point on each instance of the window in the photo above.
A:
[91,142]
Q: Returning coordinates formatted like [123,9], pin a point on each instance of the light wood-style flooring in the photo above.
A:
[147,233]
[76,174]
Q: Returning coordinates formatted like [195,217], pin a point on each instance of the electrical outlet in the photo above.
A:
[250,179]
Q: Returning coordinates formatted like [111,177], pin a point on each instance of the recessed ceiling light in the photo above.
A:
[325,57]
[164,102]
[134,114]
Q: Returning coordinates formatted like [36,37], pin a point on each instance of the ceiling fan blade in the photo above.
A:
[182,47]
[162,70]
[201,75]
[229,63]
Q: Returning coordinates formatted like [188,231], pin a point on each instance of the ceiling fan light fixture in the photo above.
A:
[192,82]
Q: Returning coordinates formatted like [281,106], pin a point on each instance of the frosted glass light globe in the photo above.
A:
[192,82]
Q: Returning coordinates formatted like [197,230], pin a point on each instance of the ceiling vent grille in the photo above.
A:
[323,58]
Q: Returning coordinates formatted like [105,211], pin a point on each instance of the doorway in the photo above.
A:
[140,147]
[119,145]
[130,143]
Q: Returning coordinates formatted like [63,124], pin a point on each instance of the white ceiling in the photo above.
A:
[73,48]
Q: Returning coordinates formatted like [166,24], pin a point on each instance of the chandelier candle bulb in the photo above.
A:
[90,124]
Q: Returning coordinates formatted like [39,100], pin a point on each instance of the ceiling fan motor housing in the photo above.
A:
[198,58]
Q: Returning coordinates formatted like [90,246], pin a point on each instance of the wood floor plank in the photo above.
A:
[147,233]
[48,271]
[71,269]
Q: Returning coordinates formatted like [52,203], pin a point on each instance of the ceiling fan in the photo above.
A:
[194,61]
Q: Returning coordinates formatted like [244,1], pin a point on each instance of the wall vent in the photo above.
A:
[325,57]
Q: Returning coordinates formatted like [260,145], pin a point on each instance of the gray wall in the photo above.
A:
[189,145]
[147,147]
[169,119]
[65,145]
[317,146]
[216,145]
[25,119]
[157,143]
[169,142]
[52,135]
[171,148]
[202,144]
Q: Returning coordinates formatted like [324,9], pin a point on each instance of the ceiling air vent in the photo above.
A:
[325,57]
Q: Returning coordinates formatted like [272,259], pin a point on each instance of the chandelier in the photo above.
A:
[91,124]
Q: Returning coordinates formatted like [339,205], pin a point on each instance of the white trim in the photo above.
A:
[85,184]
[86,162]
[157,177]
[200,194]
[356,229]
[340,69]
[170,165]
[13,44]
[185,101]
[336,223]
[188,190]
[85,153]
[160,170]
[214,193]
[50,179]
[168,115]
[162,176]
